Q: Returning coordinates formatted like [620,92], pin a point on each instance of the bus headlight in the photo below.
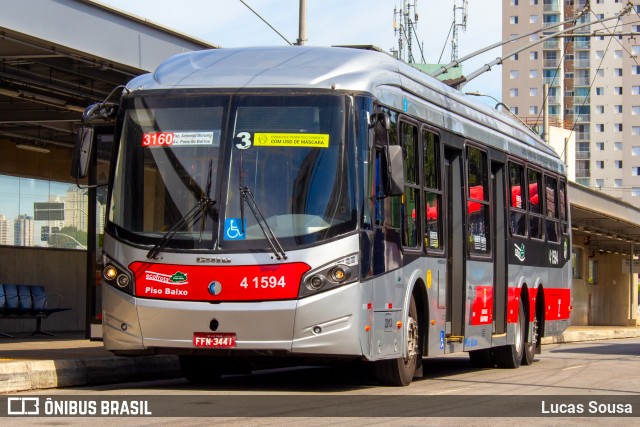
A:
[109,272]
[340,273]
[117,276]
[315,282]
[329,276]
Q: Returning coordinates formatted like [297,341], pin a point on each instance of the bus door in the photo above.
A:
[500,246]
[480,275]
[455,290]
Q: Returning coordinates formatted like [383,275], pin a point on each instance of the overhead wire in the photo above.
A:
[555,75]
[446,42]
[613,35]
[266,22]
[575,122]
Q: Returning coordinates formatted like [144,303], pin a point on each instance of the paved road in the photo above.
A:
[565,373]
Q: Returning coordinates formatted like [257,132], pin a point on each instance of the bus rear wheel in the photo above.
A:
[531,344]
[510,356]
[400,371]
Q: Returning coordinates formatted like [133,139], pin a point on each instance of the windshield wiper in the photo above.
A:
[276,247]
[208,197]
[190,217]
[194,214]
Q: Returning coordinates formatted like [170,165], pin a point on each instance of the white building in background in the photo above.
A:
[5,231]
[594,85]
[23,231]
[75,209]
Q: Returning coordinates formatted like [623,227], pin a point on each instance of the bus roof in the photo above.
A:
[349,69]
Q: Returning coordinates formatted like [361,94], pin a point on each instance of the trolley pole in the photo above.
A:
[302,24]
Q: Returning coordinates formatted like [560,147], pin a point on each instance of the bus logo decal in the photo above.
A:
[519,252]
[177,278]
[215,288]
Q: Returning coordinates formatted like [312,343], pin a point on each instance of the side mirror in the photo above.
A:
[381,119]
[394,174]
[82,152]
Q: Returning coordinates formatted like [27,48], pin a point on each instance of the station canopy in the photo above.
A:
[601,223]
[57,57]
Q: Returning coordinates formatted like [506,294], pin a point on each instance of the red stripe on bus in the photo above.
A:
[557,304]
[218,283]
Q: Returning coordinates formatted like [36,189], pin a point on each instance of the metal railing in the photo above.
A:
[550,24]
[553,99]
[551,63]
[581,63]
[582,44]
[583,172]
[579,100]
[583,136]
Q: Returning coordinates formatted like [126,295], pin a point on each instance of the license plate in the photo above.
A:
[214,340]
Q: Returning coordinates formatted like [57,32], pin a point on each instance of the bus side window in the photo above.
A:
[553,224]
[518,197]
[478,238]
[411,198]
[536,219]
[562,202]
[433,239]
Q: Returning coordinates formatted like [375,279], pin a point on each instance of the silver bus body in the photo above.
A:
[363,319]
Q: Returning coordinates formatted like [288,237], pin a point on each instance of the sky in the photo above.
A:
[229,23]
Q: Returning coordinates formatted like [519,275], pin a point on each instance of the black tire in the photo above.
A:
[201,369]
[482,358]
[400,371]
[531,344]
[510,356]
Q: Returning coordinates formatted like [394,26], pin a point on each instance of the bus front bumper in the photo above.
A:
[324,324]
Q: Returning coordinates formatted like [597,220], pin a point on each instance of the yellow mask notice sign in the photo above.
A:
[312,140]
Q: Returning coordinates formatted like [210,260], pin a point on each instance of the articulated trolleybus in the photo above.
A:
[307,203]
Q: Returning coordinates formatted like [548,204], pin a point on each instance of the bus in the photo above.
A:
[303,204]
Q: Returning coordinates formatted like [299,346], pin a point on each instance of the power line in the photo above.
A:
[575,122]
[265,21]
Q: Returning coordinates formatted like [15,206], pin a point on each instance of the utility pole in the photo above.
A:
[404,27]
[302,24]
[464,11]
[545,113]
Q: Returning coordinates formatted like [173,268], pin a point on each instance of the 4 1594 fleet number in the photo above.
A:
[263,282]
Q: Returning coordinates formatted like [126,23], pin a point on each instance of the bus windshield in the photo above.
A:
[290,154]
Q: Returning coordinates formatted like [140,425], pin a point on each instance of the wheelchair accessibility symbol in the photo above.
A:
[232,229]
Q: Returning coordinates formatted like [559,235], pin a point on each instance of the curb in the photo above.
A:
[592,335]
[42,374]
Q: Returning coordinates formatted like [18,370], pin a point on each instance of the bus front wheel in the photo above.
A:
[400,371]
